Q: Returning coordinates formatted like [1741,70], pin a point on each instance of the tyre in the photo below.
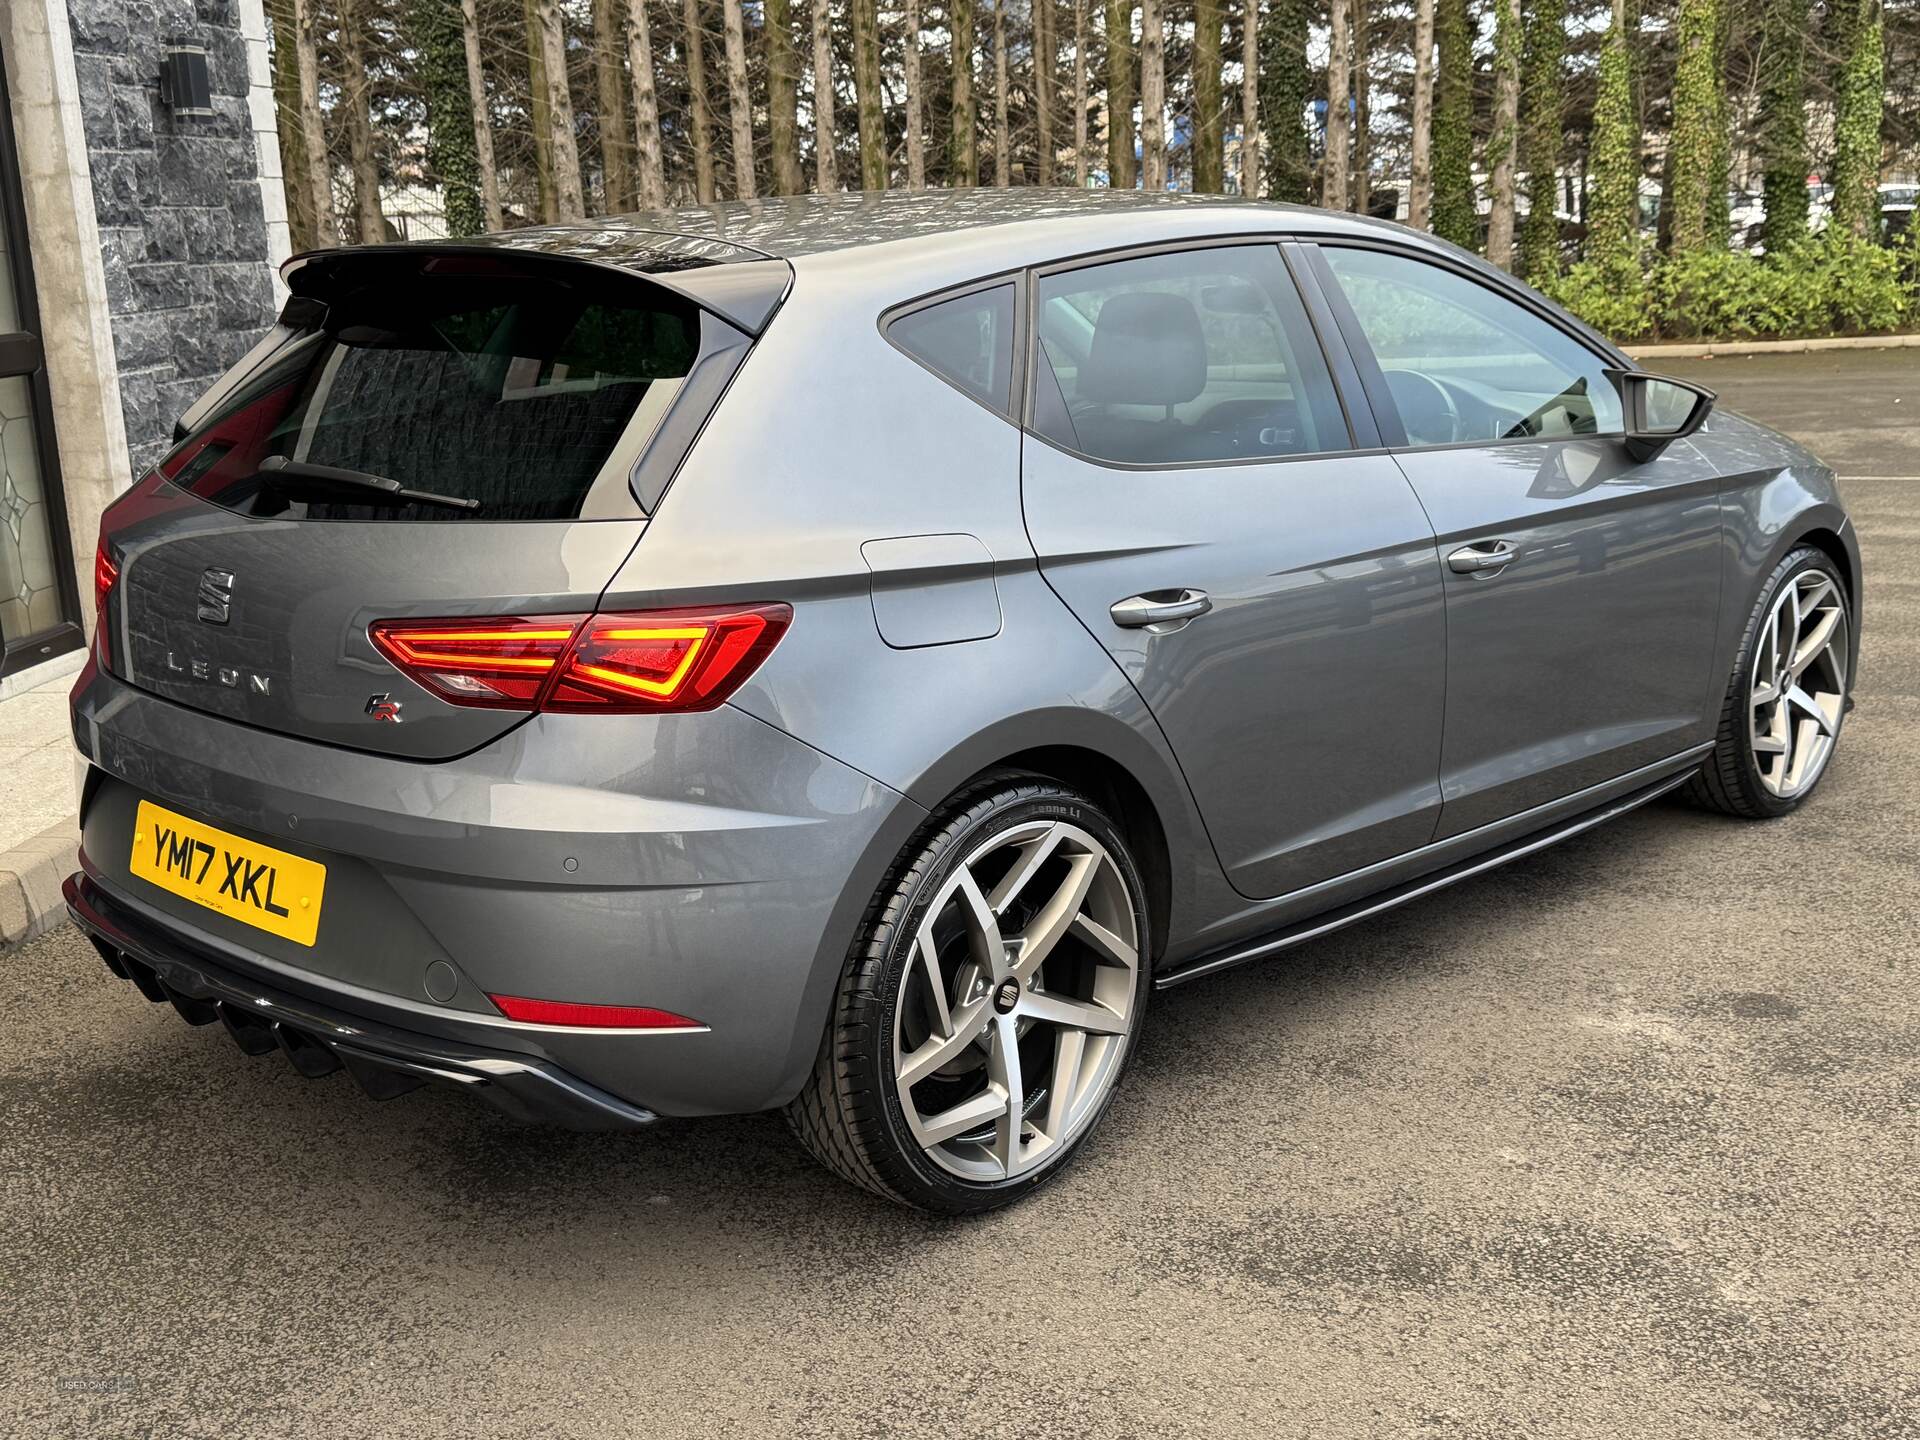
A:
[1788,696]
[989,1006]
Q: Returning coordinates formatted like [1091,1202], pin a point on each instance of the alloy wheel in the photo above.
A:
[1017,1001]
[1799,684]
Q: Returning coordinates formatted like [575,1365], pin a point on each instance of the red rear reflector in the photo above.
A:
[670,660]
[605,1017]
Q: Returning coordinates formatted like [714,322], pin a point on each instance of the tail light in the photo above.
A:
[606,1017]
[668,660]
[105,573]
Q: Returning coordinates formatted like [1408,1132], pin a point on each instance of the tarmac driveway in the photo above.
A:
[1620,1140]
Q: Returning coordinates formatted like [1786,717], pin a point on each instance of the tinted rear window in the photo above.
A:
[967,340]
[530,394]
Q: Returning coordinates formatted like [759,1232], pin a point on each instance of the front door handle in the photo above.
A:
[1483,558]
[1160,612]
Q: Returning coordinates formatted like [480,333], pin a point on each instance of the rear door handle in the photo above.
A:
[1160,611]
[1483,558]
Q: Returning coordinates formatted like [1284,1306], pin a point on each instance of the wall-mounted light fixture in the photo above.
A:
[185,87]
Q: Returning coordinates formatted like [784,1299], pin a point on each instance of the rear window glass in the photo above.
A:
[967,340]
[489,396]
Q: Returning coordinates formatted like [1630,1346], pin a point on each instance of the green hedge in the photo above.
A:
[1830,284]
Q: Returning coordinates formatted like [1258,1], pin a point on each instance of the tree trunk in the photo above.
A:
[1120,94]
[569,196]
[1250,100]
[1046,55]
[1153,96]
[539,117]
[616,169]
[316,167]
[700,121]
[649,172]
[1333,170]
[1720,166]
[436,34]
[1080,93]
[825,166]
[1782,121]
[1420,181]
[1209,161]
[1503,143]
[783,98]
[1454,216]
[1696,110]
[286,107]
[739,100]
[1361,190]
[369,224]
[916,142]
[1859,98]
[867,96]
[482,124]
[1286,85]
[1542,83]
[963,152]
[1001,175]
[1613,168]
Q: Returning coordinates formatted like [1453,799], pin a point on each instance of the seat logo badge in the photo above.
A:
[216,596]
[384,707]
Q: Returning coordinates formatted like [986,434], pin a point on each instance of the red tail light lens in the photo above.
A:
[499,664]
[105,573]
[673,660]
[607,1017]
[670,660]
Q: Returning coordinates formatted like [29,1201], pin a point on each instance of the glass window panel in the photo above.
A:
[1465,363]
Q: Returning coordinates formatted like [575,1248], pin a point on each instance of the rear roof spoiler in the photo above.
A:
[741,286]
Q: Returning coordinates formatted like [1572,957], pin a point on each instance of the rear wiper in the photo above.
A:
[277,466]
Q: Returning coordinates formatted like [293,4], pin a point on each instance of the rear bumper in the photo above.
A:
[319,1038]
[707,864]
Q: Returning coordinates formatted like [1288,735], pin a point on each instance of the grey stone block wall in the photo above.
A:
[182,233]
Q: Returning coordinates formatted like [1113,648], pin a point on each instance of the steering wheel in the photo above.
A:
[1426,408]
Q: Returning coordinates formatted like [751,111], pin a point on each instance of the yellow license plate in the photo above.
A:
[241,879]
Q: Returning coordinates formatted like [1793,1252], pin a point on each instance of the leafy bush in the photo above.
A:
[1828,284]
[1612,297]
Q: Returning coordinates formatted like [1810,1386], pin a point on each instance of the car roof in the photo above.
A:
[794,226]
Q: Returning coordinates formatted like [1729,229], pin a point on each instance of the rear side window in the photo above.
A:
[1184,358]
[526,397]
[967,341]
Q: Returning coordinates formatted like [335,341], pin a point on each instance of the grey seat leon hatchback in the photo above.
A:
[843,655]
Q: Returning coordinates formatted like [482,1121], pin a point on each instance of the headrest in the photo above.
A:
[1148,349]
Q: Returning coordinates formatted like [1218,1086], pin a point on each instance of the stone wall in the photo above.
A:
[183,234]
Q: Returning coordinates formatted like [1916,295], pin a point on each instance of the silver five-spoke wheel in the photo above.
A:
[1799,684]
[1017,1003]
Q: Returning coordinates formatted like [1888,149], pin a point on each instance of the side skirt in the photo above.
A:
[1328,921]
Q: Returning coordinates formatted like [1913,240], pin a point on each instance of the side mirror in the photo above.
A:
[1659,410]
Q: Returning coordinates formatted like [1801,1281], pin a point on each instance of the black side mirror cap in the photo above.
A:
[1649,404]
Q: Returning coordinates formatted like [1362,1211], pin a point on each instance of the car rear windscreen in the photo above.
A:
[449,390]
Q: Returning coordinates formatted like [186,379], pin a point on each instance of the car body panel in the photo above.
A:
[293,653]
[1590,655]
[1305,706]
